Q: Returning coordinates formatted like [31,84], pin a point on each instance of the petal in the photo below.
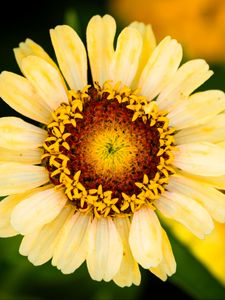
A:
[29,47]
[6,207]
[18,178]
[186,211]
[221,144]
[15,134]
[213,131]
[100,37]
[40,244]
[167,266]
[46,80]
[201,159]
[71,249]
[210,198]
[145,238]
[198,109]
[125,60]
[168,262]
[37,210]
[160,67]
[129,271]
[148,45]
[105,249]
[71,56]
[30,156]
[17,92]
[187,78]
[217,181]
[159,272]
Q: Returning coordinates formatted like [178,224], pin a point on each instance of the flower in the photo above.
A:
[88,183]
[199,26]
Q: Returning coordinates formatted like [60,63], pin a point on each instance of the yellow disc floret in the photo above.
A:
[109,150]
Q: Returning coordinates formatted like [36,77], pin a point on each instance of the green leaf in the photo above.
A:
[192,276]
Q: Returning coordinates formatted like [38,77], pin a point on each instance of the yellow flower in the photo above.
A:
[213,246]
[87,184]
[199,26]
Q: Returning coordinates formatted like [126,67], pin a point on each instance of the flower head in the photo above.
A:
[87,185]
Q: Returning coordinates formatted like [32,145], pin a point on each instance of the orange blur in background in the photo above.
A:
[199,25]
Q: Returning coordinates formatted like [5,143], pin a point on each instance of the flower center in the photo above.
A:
[110,149]
[106,152]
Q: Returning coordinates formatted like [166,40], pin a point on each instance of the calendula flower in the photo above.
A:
[199,26]
[87,184]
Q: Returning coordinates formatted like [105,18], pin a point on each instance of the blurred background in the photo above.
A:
[200,26]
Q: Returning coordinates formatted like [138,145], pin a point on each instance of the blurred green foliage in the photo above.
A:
[193,277]
[19,279]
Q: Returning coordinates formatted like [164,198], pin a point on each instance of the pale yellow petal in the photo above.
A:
[148,37]
[145,238]
[187,78]
[37,210]
[217,181]
[168,262]
[30,156]
[202,158]
[6,207]
[100,37]
[29,47]
[186,211]
[221,144]
[17,134]
[159,272]
[18,178]
[209,197]
[71,249]
[105,249]
[125,60]
[71,56]
[160,68]
[167,266]
[18,93]
[149,44]
[128,273]
[46,80]
[212,131]
[198,109]
[40,244]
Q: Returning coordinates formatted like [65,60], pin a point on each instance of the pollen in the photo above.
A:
[109,150]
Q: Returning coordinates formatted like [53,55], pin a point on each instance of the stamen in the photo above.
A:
[109,150]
